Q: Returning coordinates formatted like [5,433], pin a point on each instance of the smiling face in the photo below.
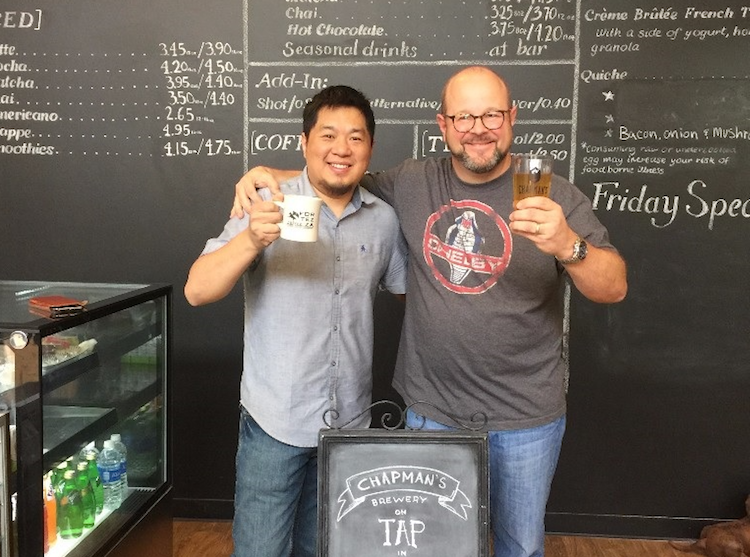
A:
[337,150]
[479,155]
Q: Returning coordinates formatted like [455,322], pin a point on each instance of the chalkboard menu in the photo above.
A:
[403,493]
[123,128]
[661,140]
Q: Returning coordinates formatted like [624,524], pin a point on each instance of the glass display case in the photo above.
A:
[75,380]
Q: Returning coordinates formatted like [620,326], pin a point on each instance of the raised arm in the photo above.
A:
[246,190]
[213,275]
[601,276]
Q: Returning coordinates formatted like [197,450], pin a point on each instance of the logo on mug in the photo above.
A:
[301,219]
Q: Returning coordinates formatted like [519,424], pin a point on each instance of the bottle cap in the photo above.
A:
[108,444]
[115,437]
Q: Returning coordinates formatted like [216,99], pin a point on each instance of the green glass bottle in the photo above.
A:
[58,474]
[87,494]
[96,482]
[70,517]
[58,486]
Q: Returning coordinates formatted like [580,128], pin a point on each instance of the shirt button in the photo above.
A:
[336,291]
[338,258]
[335,327]
[333,364]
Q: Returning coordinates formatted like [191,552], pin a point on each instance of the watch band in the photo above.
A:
[579,252]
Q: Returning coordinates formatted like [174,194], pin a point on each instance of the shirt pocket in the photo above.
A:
[363,263]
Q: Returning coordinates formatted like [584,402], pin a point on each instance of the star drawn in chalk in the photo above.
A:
[608,133]
[608,95]
[610,118]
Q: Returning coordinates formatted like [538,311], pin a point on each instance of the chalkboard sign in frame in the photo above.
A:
[403,493]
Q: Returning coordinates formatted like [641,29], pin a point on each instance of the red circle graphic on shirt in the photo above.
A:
[461,247]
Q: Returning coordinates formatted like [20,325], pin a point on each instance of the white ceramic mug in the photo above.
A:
[301,216]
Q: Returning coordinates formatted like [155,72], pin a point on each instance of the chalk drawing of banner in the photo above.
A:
[416,479]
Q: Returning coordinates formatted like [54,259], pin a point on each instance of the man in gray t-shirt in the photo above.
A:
[485,333]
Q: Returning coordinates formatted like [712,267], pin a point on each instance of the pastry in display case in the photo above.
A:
[84,385]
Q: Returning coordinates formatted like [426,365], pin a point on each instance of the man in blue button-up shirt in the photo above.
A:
[308,323]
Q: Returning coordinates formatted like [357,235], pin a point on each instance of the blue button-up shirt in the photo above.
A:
[309,317]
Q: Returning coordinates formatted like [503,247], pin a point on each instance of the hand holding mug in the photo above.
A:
[301,214]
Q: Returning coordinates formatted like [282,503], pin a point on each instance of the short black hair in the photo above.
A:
[338,96]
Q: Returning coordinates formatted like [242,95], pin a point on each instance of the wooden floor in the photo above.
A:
[214,539]
[202,539]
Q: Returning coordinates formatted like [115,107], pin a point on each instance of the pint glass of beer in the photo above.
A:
[532,175]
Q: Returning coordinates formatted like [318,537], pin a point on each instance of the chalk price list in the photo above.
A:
[200,82]
[530,28]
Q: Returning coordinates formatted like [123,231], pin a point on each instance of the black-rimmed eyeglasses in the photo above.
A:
[492,120]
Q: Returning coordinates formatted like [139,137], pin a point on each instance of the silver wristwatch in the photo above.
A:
[580,249]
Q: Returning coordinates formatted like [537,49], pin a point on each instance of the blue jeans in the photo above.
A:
[275,500]
[522,464]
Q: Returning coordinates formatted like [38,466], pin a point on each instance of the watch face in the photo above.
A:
[580,249]
[583,249]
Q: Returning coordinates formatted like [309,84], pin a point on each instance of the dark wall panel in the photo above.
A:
[124,126]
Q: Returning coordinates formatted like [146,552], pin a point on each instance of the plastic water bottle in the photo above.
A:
[87,450]
[109,463]
[120,446]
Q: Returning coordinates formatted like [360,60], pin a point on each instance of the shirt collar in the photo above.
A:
[360,196]
[365,196]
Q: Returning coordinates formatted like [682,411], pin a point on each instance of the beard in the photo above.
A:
[334,190]
[478,166]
